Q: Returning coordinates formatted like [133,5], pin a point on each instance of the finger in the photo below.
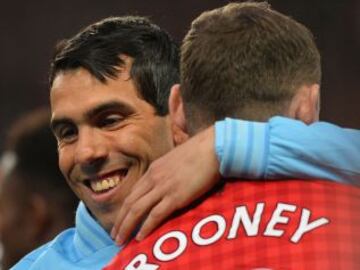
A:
[136,214]
[136,193]
[143,186]
[157,215]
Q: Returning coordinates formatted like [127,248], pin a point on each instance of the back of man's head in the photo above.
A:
[35,201]
[98,48]
[244,60]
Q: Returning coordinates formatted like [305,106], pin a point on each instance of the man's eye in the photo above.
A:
[110,120]
[66,134]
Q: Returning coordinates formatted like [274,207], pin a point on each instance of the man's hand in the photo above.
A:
[171,182]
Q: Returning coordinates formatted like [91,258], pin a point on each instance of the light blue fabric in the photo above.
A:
[285,147]
[87,246]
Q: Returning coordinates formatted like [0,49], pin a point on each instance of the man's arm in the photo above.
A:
[285,147]
[280,148]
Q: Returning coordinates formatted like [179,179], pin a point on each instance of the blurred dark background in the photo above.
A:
[29,30]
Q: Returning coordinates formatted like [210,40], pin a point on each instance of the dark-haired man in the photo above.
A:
[109,92]
[265,64]
[35,202]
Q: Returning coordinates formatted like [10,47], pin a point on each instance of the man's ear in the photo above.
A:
[177,115]
[305,105]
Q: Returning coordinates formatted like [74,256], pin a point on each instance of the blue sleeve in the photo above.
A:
[285,147]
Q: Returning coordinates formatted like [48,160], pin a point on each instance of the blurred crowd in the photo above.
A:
[35,201]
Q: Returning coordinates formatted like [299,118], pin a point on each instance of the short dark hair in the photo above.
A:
[36,169]
[244,60]
[97,49]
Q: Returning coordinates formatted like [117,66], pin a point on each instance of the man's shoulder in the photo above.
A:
[61,244]
[29,259]
[66,252]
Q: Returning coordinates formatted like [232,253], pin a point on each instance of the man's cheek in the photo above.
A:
[64,162]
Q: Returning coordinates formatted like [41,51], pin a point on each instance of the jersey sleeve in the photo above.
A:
[284,147]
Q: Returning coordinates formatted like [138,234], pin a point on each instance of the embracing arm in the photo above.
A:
[285,147]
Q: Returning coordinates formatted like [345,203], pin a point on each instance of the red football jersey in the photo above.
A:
[291,224]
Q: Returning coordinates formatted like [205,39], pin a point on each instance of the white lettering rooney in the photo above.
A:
[305,226]
[221,225]
[241,216]
[278,218]
[160,255]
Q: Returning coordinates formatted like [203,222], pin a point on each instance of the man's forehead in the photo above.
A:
[66,88]
[79,77]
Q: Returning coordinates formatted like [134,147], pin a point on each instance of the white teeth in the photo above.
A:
[111,183]
[105,184]
[98,186]
[117,180]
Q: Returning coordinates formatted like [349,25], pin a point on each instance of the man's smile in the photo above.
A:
[103,185]
[106,181]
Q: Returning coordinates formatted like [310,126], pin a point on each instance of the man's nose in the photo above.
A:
[91,148]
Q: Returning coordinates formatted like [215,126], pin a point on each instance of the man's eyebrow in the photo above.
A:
[110,106]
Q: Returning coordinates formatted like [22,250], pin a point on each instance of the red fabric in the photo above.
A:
[335,245]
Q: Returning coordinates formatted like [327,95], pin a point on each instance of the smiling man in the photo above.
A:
[107,136]
[108,116]
[109,92]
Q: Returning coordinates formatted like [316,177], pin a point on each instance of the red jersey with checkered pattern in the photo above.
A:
[291,224]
